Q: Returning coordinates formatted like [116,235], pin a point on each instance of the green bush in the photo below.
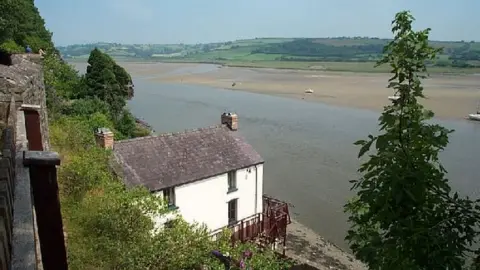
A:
[141,131]
[10,46]
[70,134]
[86,107]
[85,170]
[36,43]
[126,124]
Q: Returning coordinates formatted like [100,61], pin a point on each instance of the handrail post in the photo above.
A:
[43,177]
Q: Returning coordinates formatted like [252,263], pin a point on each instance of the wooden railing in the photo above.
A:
[268,226]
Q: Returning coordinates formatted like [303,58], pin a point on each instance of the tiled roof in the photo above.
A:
[172,159]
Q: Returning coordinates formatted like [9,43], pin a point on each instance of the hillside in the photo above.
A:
[357,53]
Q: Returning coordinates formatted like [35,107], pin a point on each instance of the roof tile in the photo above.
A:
[173,159]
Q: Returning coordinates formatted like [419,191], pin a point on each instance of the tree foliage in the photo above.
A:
[104,76]
[405,215]
[98,92]
[21,23]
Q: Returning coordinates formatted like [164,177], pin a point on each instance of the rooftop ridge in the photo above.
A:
[166,134]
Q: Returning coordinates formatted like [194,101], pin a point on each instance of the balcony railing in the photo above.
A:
[266,228]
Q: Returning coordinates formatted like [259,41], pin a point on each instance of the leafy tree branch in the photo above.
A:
[405,215]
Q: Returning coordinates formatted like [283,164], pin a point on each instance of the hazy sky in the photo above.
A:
[194,21]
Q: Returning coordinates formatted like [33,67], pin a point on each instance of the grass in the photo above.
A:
[239,53]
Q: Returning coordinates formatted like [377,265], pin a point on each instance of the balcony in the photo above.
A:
[266,228]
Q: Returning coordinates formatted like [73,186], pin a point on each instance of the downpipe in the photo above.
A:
[256,189]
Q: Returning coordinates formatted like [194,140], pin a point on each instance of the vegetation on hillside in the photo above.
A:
[101,93]
[303,53]
[107,225]
[21,25]
[405,215]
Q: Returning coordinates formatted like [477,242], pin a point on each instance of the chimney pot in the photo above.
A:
[104,138]
[231,120]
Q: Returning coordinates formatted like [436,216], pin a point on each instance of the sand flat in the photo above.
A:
[450,97]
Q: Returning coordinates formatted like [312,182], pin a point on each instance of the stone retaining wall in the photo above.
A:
[20,83]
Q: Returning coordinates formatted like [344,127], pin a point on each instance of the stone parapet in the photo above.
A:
[22,91]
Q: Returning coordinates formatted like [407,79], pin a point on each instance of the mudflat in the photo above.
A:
[449,96]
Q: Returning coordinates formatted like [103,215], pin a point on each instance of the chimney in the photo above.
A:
[104,138]
[231,120]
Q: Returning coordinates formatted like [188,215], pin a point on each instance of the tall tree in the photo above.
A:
[124,80]
[102,82]
[405,215]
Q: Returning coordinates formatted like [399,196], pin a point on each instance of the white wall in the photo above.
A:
[206,201]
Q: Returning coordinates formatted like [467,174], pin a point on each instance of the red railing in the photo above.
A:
[270,225]
[277,217]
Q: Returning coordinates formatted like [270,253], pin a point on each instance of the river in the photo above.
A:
[308,146]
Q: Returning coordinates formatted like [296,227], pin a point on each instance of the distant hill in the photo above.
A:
[459,54]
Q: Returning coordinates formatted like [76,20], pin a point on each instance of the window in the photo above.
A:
[232,181]
[232,211]
[169,196]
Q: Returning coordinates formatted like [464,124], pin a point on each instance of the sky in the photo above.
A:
[201,21]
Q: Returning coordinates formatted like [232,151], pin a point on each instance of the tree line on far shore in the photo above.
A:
[461,54]
[309,49]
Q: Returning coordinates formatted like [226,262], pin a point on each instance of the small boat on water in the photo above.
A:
[309,91]
[474,116]
[392,98]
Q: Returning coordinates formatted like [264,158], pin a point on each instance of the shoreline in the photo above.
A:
[314,100]
[144,124]
[331,66]
[449,97]
[306,246]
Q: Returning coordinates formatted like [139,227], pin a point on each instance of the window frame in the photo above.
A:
[232,181]
[234,219]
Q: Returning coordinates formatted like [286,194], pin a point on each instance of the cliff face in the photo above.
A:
[23,80]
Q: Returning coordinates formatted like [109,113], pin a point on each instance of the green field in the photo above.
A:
[333,54]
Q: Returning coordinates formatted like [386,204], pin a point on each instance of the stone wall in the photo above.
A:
[20,83]
[24,82]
